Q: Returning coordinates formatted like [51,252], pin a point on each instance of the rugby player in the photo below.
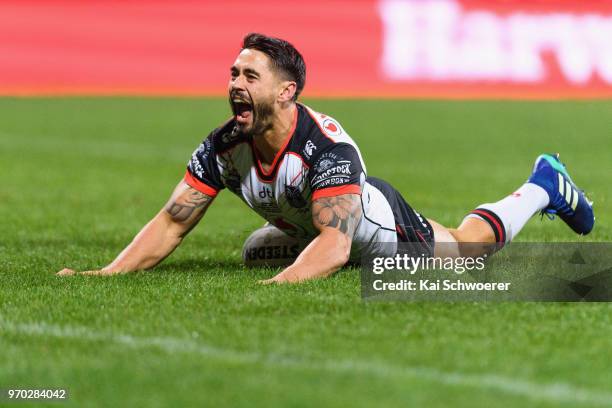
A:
[303,173]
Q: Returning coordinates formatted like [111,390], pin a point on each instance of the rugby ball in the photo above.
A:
[269,246]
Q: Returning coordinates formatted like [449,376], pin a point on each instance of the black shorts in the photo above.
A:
[409,224]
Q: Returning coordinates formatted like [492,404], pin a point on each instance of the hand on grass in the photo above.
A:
[71,272]
[272,281]
[283,277]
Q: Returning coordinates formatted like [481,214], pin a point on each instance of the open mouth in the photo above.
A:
[243,110]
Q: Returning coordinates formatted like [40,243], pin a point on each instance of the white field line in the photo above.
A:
[553,392]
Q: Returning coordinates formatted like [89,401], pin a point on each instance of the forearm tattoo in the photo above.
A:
[188,203]
[341,212]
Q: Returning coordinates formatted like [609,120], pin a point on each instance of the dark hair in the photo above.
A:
[285,58]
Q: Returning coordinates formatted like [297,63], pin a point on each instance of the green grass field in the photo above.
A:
[79,177]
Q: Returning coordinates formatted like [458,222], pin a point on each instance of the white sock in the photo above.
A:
[508,216]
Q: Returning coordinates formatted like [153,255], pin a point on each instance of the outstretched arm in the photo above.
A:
[161,235]
[336,218]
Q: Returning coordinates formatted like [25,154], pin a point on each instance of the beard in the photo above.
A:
[262,117]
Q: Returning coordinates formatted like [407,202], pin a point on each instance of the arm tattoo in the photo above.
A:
[189,201]
[341,212]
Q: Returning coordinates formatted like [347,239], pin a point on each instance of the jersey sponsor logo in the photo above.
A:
[324,164]
[331,169]
[266,202]
[270,208]
[340,169]
[195,166]
[331,127]
[265,193]
[294,197]
[204,148]
[308,149]
[332,182]
[200,156]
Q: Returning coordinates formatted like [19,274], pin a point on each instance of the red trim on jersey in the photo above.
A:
[336,191]
[265,180]
[198,185]
[268,181]
[318,125]
[279,154]
[401,233]
[296,176]
[301,158]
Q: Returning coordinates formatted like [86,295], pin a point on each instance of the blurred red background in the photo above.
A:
[385,48]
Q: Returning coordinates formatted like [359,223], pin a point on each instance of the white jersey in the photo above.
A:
[318,159]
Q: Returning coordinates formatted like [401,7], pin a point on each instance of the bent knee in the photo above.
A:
[445,243]
[473,241]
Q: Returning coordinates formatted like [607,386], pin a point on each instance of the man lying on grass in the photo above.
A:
[302,172]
